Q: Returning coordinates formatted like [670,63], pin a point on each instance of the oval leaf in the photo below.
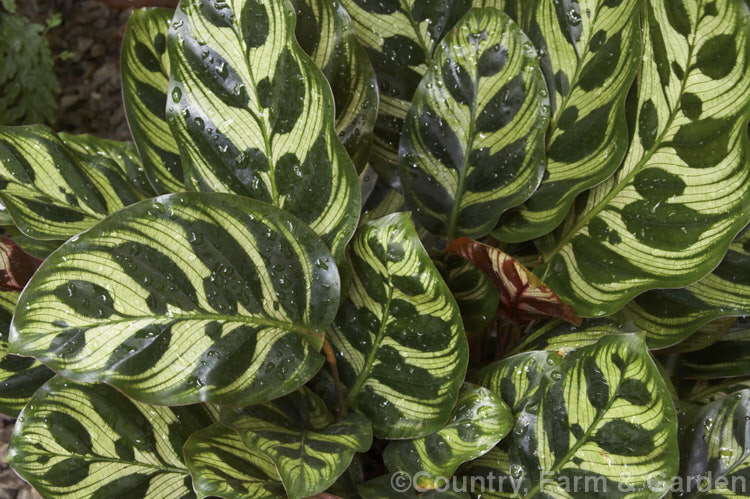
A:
[715,448]
[309,448]
[124,154]
[589,61]
[324,31]
[728,357]
[681,194]
[221,465]
[563,337]
[516,378]
[54,192]
[19,376]
[76,440]
[602,413]
[145,81]
[402,349]
[252,115]
[473,141]
[400,38]
[670,315]
[479,420]
[205,296]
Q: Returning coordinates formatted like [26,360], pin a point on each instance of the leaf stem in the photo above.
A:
[331,359]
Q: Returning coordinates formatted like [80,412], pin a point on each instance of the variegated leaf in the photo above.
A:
[517,378]
[19,376]
[54,192]
[715,448]
[40,248]
[74,440]
[184,298]
[145,83]
[668,215]
[400,38]
[563,337]
[324,30]
[479,420]
[382,201]
[474,292]
[124,154]
[523,297]
[222,466]
[728,357]
[670,315]
[253,115]
[590,54]
[492,472]
[706,394]
[603,413]
[473,141]
[309,448]
[402,351]
[704,337]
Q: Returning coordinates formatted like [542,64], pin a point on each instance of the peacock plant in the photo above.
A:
[368,248]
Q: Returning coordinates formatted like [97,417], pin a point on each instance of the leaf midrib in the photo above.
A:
[375,346]
[625,181]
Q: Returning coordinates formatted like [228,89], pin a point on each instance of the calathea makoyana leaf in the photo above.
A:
[19,376]
[184,298]
[494,468]
[54,192]
[666,218]
[16,266]
[324,30]
[590,54]
[124,154]
[603,413]
[728,357]
[253,115]
[309,448]
[399,39]
[402,350]
[670,315]
[705,336]
[479,420]
[473,290]
[89,440]
[516,378]
[523,297]
[473,141]
[563,337]
[715,448]
[222,466]
[703,394]
[40,248]
[145,81]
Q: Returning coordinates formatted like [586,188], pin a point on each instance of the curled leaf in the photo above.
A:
[16,266]
[523,296]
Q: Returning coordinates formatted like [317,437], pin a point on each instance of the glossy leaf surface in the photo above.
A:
[145,83]
[220,465]
[54,192]
[589,56]
[604,413]
[402,351]
[253,115]
[473,141]
[728,357]
[205,296]
[668,215]
[75,440]
[479,420]
[324,31]
[670,315]
[715,448]
[309,447]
